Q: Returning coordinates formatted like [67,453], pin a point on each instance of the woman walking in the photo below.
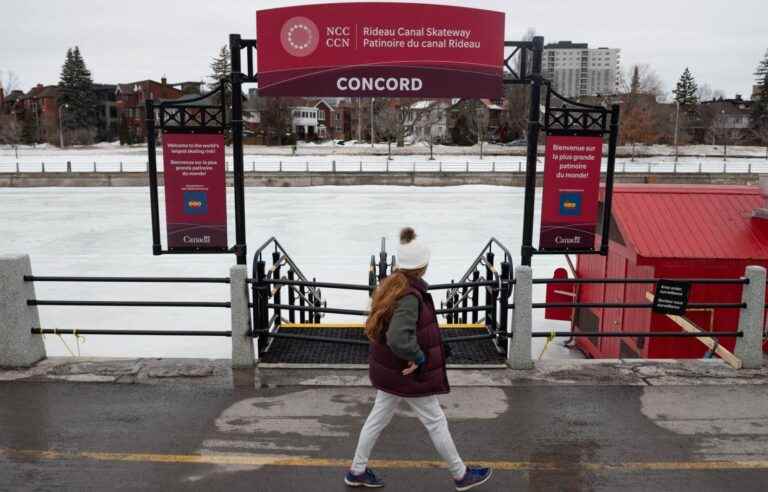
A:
[407,362]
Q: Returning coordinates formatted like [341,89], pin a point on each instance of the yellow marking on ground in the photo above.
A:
[451,326]
[305,462]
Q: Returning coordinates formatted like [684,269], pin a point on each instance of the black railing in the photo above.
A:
[304,299]
[113,303]
[304,296]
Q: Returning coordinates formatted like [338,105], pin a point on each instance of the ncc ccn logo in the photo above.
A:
[300,36]
[195,202]
[570,203]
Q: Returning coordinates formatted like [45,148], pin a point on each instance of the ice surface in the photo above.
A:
[110,157]
[331,232]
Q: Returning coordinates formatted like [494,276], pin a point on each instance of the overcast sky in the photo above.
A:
[722,42]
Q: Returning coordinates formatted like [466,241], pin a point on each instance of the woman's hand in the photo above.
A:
[412,366]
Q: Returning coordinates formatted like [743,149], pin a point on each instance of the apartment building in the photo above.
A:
[576,70]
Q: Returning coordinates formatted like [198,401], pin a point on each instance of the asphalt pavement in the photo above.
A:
[87,436]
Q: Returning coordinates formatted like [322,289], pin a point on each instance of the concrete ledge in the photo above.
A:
[303,179]
[630,372]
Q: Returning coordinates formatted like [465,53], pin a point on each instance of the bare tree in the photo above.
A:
[8,81]
[10,130]
[468,122]
[643,79]
[390,125]
[427,120]
[761,134]
[724,132]
[276,118]
[516,114]
[706,93]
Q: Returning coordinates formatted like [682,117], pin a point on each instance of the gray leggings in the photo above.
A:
[430,414]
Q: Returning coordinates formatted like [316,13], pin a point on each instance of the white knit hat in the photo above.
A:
[411,254]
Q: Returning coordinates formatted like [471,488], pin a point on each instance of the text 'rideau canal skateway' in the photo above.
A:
[387,245]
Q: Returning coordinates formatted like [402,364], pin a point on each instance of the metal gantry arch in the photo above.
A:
[562,117]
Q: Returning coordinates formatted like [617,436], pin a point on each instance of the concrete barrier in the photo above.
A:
[318,178]
[242,343]
[18,347]
[519,347]
[749,348]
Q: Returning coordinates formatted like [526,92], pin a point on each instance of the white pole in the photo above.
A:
[677,126]
[372,122]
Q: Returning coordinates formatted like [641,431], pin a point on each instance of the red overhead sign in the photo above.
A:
[195,191]
[571,190]
[380,49]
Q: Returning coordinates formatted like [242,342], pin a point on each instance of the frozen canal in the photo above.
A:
[331,232]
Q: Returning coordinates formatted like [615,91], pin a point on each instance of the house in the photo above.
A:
[131,98]
[473,119]
[427,120]
[729,120]
[344,126]
[670,232]
[304,122]
[325,119]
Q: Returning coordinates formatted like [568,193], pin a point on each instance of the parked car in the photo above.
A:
[520,142]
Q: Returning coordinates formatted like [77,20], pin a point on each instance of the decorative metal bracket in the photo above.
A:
[565,116]
[521,74]
[188,117]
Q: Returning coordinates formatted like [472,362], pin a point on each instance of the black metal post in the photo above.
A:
[490,296]
[149,109]
[506,274]
[464,303]
[534,114]
[475,294]
[383,260]
[237,148]
[291,296]
[259,300]
[318,304]
[302,293]
[276,275]
[608,199]
[372,276]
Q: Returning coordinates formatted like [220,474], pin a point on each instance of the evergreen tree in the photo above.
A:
[76,92]
[761,74]
[686,92]
[221,68]
[634,86]
[28,129]
[759,117]
[123,132]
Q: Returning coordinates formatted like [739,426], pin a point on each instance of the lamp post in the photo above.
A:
[61,124]
[677,126]
[479,120]
[372,122]
[723,123]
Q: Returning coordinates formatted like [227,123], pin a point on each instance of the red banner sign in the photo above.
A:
[195,191]
[571,192]
[380,49]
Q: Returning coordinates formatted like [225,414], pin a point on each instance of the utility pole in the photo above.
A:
[677,126]
[61,124]
[359,121]
[372,122]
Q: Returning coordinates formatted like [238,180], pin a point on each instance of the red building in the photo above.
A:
[670,231]
[131,98]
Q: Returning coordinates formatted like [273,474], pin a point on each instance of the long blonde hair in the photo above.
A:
[385,298]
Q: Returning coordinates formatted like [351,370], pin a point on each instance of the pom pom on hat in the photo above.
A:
[411,254]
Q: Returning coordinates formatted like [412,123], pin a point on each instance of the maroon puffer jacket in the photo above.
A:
[385,368]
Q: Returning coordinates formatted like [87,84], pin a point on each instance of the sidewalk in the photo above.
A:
[568,426]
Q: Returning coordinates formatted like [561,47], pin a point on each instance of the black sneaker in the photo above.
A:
[472,478]
[365,479]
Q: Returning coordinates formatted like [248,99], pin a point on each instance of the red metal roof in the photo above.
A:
[691,221]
